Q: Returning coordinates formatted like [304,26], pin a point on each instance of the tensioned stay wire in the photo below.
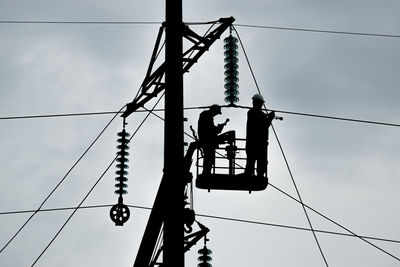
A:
[60,182]
[72,214]
[284,156]
[300,201]
[298,194]
[92,188]
[346,229]
[341,226]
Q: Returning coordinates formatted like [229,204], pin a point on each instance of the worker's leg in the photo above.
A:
[262,162]
[209,159]
[250,162]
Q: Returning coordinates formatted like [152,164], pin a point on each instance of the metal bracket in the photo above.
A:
[153,82]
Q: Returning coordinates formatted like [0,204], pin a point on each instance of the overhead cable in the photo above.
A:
[292,227]
[318,30]
[91,189]
[298,195]
[198,23]
[199,107]
[338,118]
[224,218]
[58,115]
[329,219]
[332,221]
[60,182]
[284,156]
[80,22]
[72,214]
[300,201]
[54,209]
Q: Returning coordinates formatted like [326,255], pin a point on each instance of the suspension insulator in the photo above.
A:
[231,70]
[122,160]
[119,213]
[204,257]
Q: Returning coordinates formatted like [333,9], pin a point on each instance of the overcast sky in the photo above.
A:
[345,170]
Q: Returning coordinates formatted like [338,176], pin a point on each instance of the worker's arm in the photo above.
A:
[270,117]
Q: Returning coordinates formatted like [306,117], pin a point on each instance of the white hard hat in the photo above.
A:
[258,97]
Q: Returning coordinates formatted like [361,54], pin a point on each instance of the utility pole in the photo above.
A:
[173,254]
[167,214]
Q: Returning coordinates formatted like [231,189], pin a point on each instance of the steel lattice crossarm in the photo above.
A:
[153,83]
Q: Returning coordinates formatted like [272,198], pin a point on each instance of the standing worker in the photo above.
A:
[208,136]
[257,126]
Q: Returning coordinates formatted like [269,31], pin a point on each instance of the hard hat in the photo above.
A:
[258,97]
[216,108]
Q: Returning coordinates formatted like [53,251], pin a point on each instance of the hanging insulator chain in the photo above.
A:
[122,159]
[119,213]
[204,258]
[231,69]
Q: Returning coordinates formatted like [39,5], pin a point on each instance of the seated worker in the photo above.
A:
[208,136]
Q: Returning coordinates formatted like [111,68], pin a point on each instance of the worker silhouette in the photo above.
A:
[257,126]
[208,136]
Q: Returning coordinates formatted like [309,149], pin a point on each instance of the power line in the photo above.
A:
[318,30]
[332,221]
[92,188]
[291,227]
[43,116]
[69,208]
[198,107]
[352,234]
[59,183]
[198,23]
[338,118]
[224,218]
[304,205]
[299,196]
[284,157]
[300,201]
[80,22]
[58,115]
[281,111]
[54,209]
[72,214]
